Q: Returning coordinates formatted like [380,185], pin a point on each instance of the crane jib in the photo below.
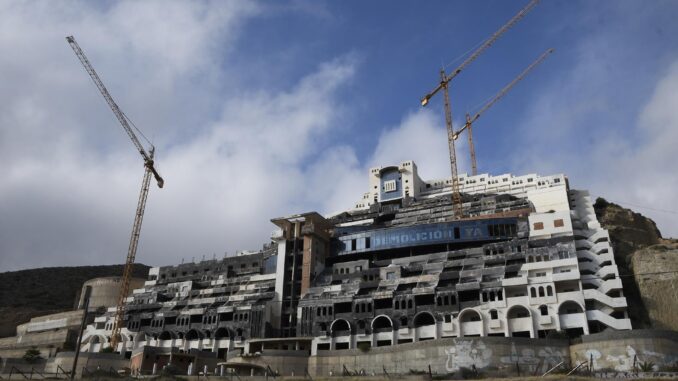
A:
[149,171]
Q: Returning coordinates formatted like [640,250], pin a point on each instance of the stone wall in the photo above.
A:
[48,343]
[285,363]
[89,361]
[619,351]
[614,351]
[489,355]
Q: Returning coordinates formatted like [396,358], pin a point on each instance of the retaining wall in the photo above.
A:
[489,355]
[618,351]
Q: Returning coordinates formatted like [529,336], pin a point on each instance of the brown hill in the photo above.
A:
[28,293]
[656,274]
[631,234]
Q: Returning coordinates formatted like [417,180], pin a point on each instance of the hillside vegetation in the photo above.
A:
[28,293]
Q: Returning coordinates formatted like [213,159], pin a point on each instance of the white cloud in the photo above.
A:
[420,136]
[233,156]
[574,128]
[70,178]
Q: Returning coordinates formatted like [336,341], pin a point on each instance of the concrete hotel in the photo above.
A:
[528,258]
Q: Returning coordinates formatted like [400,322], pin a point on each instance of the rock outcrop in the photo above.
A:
[655,271]
[631,235]
[629,230]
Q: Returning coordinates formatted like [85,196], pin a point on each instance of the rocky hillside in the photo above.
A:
[655,271]
[28,293]
[638,246]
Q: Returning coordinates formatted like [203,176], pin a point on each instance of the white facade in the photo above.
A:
[563,276]
[558,293]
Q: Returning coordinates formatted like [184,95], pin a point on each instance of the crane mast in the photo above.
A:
[149,171]
[468,126]
[445,84]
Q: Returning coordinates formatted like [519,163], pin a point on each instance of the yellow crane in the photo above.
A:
[469,120]
[149,170]
[444,85]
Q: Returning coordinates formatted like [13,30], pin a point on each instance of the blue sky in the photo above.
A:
[261,109]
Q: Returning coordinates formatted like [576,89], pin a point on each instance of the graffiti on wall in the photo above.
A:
[533,359]
[467,354]
[624,359]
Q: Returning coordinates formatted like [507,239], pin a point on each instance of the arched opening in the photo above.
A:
[470,323]
[541,291]
[569,307]
[340,327]
[382,329]
[469,316]
[517,312]
[424,319]
[519,322]
[533,292]
[543,310]
[165,335]
[572,318]
[221,341]
[193,335]
[425,326]
[382,324]
[96,343]
[549,291]
[221,333]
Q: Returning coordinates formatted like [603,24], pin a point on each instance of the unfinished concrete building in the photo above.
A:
[527,259]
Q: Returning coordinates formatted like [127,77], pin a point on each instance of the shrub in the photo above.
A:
[32,355]
[646,366]
[106,350]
